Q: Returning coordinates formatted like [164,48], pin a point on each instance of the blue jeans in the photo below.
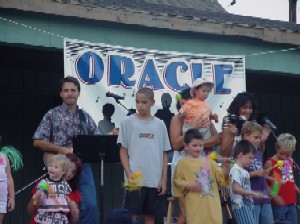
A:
[263,213]
[89,213]
[285,213]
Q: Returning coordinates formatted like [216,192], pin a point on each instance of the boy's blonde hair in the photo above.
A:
[147,91]
[62,160]
[249,127]
[286,140]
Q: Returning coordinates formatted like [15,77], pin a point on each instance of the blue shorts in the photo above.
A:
[144,201]
[244,215]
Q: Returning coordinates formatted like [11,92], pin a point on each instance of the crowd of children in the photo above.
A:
[197,177]
[259,194]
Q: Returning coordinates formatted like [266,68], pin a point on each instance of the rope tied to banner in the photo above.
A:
[31,183]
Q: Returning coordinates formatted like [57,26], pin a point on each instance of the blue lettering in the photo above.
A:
[220,72]
[121,69]
[149,76]
[196,70]
[89,68]
[170,75]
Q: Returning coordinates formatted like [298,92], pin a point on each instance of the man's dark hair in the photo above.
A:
[243,147]
[70,79]
[240,100]
[192,134]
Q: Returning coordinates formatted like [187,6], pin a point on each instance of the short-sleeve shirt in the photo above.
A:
[241,176]
[145,140]
[258,183]
[59,125]
[55,205]
[285,176]
[196,110]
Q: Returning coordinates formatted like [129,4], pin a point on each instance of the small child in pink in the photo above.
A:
[51,196]
[7,189]
[197,108]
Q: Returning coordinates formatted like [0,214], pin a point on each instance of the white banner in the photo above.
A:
[112,75]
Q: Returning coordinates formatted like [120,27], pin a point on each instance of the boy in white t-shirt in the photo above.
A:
[144,141]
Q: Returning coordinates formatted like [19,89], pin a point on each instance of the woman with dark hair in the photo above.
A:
[244,104]
[73,177]
[242,108]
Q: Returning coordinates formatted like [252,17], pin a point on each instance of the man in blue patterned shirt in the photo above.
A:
[54,136]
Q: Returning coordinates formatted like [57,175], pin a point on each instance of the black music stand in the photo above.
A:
[95,148]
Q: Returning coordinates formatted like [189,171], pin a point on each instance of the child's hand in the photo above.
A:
[196,124]
[277,201]
[11,204]
[204,122]
[182,114]
[258,194]
[226,168]
[39,196]
[214,117]
[196,186]
[129,175]
[162,188]
[267,171]
[261,173]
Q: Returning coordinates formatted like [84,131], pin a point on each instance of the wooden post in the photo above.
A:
[293,11]
[170,210]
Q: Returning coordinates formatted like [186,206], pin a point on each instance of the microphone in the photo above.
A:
[116,96]
[270,123]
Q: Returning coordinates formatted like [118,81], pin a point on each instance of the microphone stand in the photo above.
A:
[296,167]
[273,133]
[130,111]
